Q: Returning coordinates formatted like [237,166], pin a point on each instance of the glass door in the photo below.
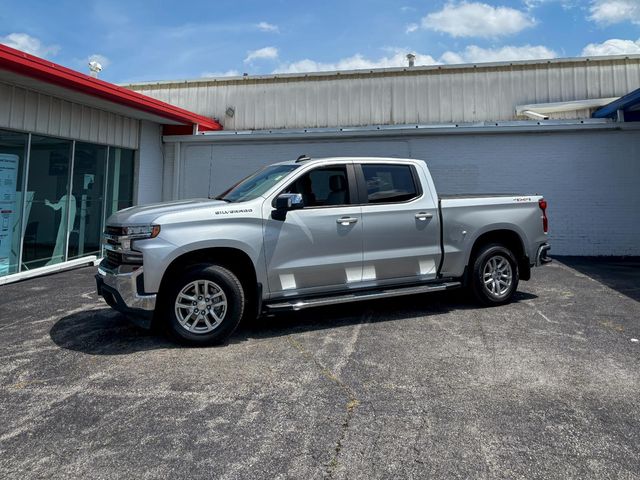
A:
[88,179]
[49,202]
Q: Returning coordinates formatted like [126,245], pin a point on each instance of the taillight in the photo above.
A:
[542,203]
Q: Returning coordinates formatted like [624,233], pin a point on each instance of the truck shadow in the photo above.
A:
[106,332]
[396,309]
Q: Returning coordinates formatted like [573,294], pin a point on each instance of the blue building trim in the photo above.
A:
[629,104]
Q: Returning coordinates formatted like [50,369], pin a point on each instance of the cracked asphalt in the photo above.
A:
[416,387]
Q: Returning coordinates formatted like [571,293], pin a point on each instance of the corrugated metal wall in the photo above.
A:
[590,177]
[421,95]
[31,111]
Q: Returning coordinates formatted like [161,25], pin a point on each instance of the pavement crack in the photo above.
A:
[350,407]
[488,345]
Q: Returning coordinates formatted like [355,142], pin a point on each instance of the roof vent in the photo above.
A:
[94,68]
[412,59]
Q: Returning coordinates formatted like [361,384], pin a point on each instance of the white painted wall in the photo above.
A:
[150,164]
[590,178]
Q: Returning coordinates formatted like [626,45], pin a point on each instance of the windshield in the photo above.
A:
[256,184]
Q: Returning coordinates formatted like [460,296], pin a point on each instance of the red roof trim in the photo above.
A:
[49,72]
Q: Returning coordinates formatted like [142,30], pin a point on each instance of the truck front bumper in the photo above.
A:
[541,256]
[124,292]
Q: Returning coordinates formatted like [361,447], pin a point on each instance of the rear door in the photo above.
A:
[319,247]
[401,231]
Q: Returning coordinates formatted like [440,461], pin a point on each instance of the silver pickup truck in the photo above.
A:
[313,232]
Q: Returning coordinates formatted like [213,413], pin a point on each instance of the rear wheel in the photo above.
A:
[494,277]
[205,305]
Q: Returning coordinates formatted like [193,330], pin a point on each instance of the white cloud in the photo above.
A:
[475,54]
[268,27]
[101,59]
[228,73]
[412,27]
[29,44]
[268,53]
[356,62]
[608,12]
[613,46]
[397,58]
[566,4]
[477,20]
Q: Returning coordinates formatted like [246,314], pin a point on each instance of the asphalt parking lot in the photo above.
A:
[413,387]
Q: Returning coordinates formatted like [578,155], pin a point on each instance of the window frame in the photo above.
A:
[362,184]
[352,187]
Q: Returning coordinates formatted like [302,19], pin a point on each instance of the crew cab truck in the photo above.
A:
[313,232]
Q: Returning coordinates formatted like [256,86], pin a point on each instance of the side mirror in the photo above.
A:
[286,202]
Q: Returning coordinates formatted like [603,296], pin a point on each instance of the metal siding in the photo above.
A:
[6,96]
[32,111]
[436,95]
[17,107]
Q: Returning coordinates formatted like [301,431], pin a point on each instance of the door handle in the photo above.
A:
[423,215]
[346,220]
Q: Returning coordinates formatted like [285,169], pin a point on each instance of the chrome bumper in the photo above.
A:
[123,287]
[541,256]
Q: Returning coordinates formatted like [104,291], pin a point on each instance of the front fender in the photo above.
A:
[159,253]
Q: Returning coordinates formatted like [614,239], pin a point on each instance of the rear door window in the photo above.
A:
[389,183]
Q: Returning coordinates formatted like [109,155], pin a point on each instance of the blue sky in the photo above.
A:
[169,40]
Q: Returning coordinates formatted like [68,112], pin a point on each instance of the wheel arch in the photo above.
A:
[508,237]
[233,259]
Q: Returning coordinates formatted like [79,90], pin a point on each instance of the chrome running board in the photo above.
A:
[302,303]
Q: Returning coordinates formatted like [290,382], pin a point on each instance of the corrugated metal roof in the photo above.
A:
[396,96]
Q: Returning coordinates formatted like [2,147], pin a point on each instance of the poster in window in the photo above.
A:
[8,209]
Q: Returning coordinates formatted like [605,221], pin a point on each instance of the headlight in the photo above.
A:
[141,231]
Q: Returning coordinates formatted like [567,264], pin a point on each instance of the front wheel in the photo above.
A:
[205,305]
[494,276]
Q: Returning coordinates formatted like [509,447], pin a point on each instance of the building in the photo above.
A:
[503,127]
[73,149]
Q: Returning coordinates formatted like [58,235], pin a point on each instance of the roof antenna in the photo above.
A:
[210,167]
[302,158]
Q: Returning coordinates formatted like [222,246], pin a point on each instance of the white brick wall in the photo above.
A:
[590,178]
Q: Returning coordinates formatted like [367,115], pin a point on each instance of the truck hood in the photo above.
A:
[146,214]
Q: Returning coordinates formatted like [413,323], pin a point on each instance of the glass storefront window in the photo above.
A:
[71,189]
[13,148]
[120,187]
[49,202]
[88,182]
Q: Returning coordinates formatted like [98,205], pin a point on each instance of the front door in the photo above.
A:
[319,247]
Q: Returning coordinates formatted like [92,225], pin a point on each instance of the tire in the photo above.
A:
[494,275]
[204,305]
